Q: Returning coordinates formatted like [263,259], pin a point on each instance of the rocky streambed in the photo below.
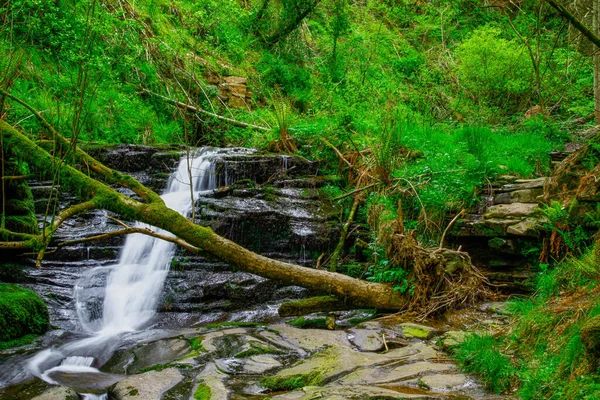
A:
[217,334]
[377,359]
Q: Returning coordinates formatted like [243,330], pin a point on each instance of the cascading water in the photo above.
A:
[133,286]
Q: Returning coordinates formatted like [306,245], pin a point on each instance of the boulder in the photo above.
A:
[147,386]
[366,339]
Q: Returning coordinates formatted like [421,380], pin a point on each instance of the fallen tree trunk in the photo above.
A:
[155,213]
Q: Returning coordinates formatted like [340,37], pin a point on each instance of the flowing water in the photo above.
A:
[133,286]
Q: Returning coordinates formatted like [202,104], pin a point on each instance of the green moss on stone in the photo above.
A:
[302,323]
[276,383]
[256,349]
[22,312]
[202,392]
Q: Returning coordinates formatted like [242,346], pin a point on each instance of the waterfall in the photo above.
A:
[134,285]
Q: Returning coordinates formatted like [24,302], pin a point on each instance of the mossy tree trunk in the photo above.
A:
[151,210]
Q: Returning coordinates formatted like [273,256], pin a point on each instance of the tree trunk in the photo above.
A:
[155,213]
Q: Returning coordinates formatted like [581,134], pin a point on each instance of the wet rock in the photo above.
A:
[314,340]
[85,382]
[147,386]
[366,339]
[445,382]
[58,393]
[354,392]
[158,352]
[259,364]
[211,383]
[395,376]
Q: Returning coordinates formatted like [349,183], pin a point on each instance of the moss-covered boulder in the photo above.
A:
[590,337]
[22,312]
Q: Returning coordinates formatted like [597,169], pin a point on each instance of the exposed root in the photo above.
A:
[442,278]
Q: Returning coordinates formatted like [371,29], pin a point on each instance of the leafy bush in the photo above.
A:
[494,70]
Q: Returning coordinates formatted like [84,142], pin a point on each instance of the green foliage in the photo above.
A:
[480,354]
[576,238]
[547,357]
[495,71]
[22,312]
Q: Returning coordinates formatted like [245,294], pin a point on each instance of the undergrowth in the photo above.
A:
[542,355]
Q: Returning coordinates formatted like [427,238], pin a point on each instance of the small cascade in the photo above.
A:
[133,286]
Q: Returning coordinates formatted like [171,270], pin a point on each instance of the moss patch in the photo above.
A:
[302,323]
[22,312]
[276,383]
[256,349]
[203,392]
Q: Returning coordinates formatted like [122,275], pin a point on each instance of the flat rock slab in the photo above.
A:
[366,339]
[354,392]
[159,352]
[445,383]
[514,210]
[209,338]
[147,386]
[58,393]
[214,380]
[316,339]
[394,375]
[85,382]
[259,364]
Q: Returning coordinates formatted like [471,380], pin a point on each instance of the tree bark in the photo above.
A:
[155,213]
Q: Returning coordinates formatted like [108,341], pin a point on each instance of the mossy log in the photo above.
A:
[313,304]
[153,211]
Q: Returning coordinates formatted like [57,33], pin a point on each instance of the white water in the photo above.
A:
[133,285]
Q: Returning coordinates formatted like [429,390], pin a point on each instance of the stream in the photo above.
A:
[115,345]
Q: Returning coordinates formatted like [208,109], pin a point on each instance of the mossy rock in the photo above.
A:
[590,337]
[410,330]
[22,312]
[203,392]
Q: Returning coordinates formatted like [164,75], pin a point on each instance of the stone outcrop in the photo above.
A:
[501,234]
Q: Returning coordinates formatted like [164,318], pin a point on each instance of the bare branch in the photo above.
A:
[189,107]
[129,231]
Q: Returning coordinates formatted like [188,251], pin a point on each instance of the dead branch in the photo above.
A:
[460,214]
[189,107]
[129,231]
